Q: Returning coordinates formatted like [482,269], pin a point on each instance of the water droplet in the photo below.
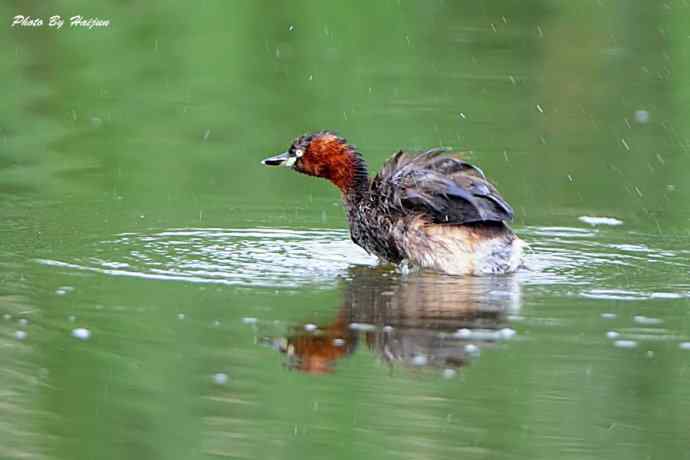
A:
[180,316]
[23,322]
[81,333]
[20,335]
[291,28]
[612,334]
[471,349]
[646,320]
[63,290]
[463,333]
[420,360]
[684,345]
[507,333]
[448,373]
[641,116]
[310,327]
[625,343]
[220,378]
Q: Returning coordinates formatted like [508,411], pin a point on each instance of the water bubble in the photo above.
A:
[471,349]
[310,327]
[612,334]
[463,333]
[220,378]
[62,290]
[507,333]
[625,343]
[81,333]
[20,335]
[646,320]
[600,220]
[641,116]
[420,360]
[684,345]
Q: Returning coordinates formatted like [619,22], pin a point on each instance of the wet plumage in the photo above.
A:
[431,210]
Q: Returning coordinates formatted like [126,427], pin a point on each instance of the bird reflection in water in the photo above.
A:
[415,320]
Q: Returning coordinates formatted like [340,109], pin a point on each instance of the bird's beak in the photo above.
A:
[278,160]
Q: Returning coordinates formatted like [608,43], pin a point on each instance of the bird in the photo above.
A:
[429,211]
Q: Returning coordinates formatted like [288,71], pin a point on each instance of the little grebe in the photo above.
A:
[431,210]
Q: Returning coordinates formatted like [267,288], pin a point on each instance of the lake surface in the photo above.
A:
[163,295]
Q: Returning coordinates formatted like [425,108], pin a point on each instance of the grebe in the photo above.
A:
[430,210]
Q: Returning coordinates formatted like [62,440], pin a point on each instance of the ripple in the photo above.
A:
[607,263]
[245,257]
[596,263]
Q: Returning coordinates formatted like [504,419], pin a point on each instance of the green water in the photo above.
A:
[229,314]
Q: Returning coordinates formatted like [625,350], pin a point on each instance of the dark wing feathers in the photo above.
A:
[447,189]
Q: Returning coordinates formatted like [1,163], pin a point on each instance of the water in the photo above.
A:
[162,295]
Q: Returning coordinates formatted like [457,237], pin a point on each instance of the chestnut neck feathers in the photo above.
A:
[331,157]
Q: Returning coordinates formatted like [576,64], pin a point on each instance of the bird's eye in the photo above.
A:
[299,152]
